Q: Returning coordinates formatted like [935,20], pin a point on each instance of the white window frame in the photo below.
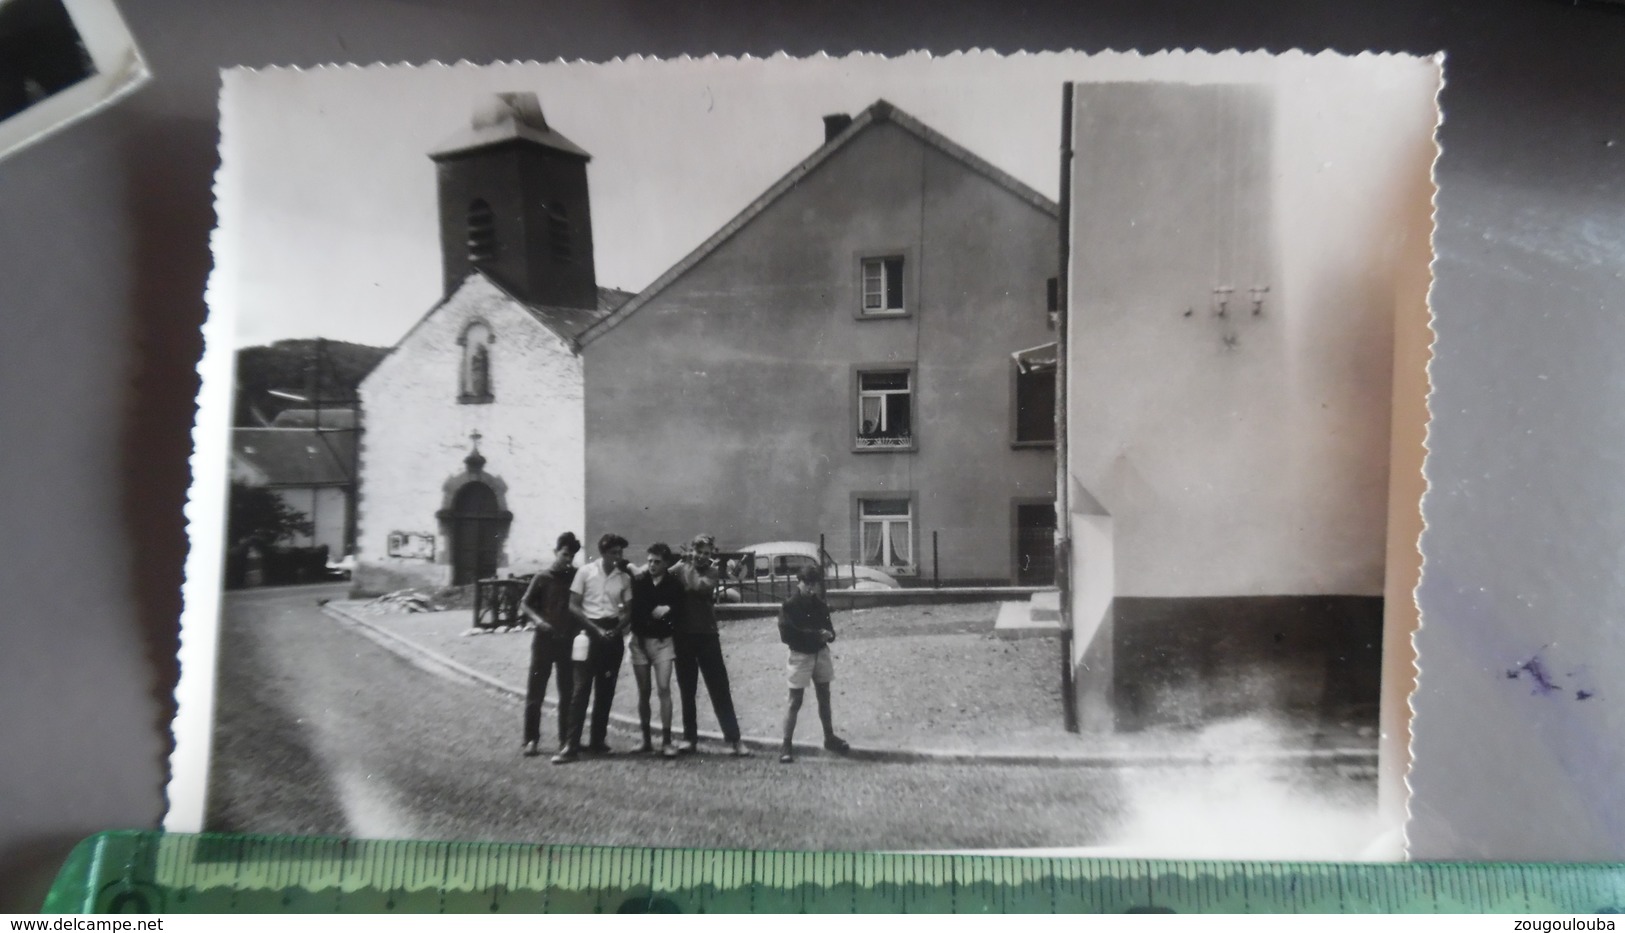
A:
[880,397]
[873,285]
[896,534]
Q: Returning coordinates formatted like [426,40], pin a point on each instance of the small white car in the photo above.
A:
[767,572]
[342,569]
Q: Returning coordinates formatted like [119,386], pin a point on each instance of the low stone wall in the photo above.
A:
[376,579]
[868,599]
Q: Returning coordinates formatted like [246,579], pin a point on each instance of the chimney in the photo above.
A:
[835,124]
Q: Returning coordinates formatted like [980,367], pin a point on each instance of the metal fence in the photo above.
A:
[497,602]
[767,577]
[761,578]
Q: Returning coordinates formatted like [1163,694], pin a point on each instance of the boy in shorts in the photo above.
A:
[806,629]
[657,598]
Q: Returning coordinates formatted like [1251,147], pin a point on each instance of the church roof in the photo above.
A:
[503,118]
[565,323]
[880,111]
[293,456]
[568,322]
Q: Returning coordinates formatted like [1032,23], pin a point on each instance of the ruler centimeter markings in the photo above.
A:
[155,872]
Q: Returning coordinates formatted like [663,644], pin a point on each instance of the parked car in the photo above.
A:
[341,569]
[767,572]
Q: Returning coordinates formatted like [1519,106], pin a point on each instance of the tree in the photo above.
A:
[257,516]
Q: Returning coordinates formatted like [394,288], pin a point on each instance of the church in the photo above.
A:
[864,356]
[472,446]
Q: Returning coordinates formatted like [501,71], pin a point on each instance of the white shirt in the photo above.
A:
[602,593]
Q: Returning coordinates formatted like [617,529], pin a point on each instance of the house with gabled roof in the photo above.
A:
[843,361]
[311,469]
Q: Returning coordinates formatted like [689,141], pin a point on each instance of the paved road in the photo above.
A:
[322,731]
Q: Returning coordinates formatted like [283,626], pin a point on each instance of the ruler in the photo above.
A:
[168,873]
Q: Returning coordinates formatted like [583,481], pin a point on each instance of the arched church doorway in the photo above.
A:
[478,528]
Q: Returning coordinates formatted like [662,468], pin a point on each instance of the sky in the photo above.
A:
[326,195]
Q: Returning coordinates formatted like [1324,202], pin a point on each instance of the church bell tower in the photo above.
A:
[513,204]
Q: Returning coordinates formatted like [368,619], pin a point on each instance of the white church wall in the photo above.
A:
[417,434]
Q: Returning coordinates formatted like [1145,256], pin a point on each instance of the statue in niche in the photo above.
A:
[474,384]
[479,372]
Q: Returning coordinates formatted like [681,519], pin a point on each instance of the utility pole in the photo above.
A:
[1063,507]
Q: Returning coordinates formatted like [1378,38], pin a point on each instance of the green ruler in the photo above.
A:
[155,872]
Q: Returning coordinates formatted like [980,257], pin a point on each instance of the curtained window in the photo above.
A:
[886,534]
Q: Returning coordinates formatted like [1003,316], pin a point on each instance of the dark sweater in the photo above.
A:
[699,615]
[647,595]
[550,596]
[801,618]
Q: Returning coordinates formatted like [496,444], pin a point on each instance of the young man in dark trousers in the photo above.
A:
[546,604]
[699,647]
[806,629]
[657,603]
[600,602]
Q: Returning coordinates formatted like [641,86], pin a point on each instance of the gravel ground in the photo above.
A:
[321,731]
[905,676]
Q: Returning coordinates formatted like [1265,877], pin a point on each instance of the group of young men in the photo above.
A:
[662,613]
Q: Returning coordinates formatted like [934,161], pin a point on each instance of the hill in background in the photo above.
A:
[324,371]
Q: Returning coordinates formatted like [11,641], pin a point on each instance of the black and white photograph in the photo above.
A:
[59,61]
[916,453]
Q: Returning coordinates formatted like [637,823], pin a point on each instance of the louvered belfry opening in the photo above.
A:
[482,232]
[515,206]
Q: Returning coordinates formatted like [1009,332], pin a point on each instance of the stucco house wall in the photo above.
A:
[727,402]
[325,507]
[417,434]
[309,470]
[1233,469]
